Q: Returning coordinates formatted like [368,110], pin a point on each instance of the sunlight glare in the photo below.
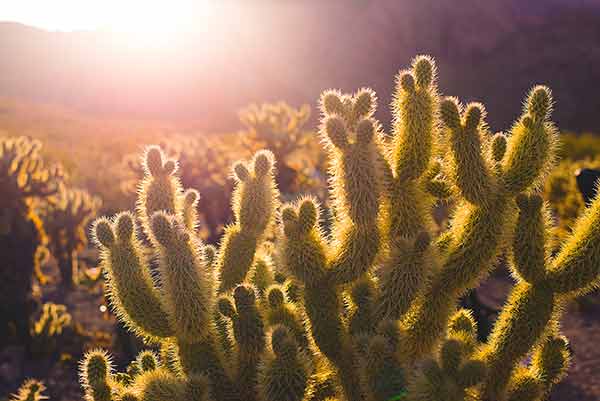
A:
[138,22]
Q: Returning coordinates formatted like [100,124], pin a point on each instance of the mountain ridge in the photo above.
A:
[491,52]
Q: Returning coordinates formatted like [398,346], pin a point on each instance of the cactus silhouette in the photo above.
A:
[369,311]
[24,180]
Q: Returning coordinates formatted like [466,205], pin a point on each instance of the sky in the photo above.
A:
[137,16]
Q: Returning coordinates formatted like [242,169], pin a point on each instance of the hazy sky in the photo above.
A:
[121,15]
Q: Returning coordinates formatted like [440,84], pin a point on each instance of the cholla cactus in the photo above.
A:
[218,153]
[30,390]
[281,128]
[561,190]
[24,179]
[66,216]
[369,312]
[47,329]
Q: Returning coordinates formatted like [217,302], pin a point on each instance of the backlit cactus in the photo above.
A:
[31,390]
[368,312]
[283,130]
[46,330]
[24,180]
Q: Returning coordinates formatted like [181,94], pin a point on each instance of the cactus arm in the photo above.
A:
[357,184]
[129,284]
[249,333]
[528,251]
[204,358]
[284,371]
[30,390]
[475,243]
[523,320]
[160,190]
[303,246]
[531,304]
[362,320]
[531,146]
[415,107]
[524,386]
[576,268]
[402,277]
[190,214]
[304,258]
[469,168]
[184,283]
[159,385]
[254,203]
[279,311]
[384,376]
[454,371]
[550,361]
[479,231]
[96,376]
[415,139]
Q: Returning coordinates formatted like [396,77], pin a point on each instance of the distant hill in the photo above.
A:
[491,51]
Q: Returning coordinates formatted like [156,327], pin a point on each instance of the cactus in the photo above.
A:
[561,190]
[281,128]
[47,329]
[66,216]
[368,312]
[209,178]
[24,180]
[30,390]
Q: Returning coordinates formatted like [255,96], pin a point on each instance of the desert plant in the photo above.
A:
[48,328]
[375,311]
[566,200]
[66,216]
[30,390]
[281,128]
[24,180]
[204,162]
[579,147]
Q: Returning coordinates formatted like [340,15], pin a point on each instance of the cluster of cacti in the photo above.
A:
[30,390]
[24,180]
[578,147]
[66,216]
[277,126]
[45,331]
[281,128]
[561,190]
[368,312]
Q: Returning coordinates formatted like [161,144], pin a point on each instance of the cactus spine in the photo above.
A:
[367,313]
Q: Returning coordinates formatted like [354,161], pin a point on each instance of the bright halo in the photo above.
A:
[140,22]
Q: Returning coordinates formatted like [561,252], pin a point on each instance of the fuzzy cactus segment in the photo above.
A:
[129,284]
[254,203]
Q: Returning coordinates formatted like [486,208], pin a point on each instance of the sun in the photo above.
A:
[158,23]
[139,22]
